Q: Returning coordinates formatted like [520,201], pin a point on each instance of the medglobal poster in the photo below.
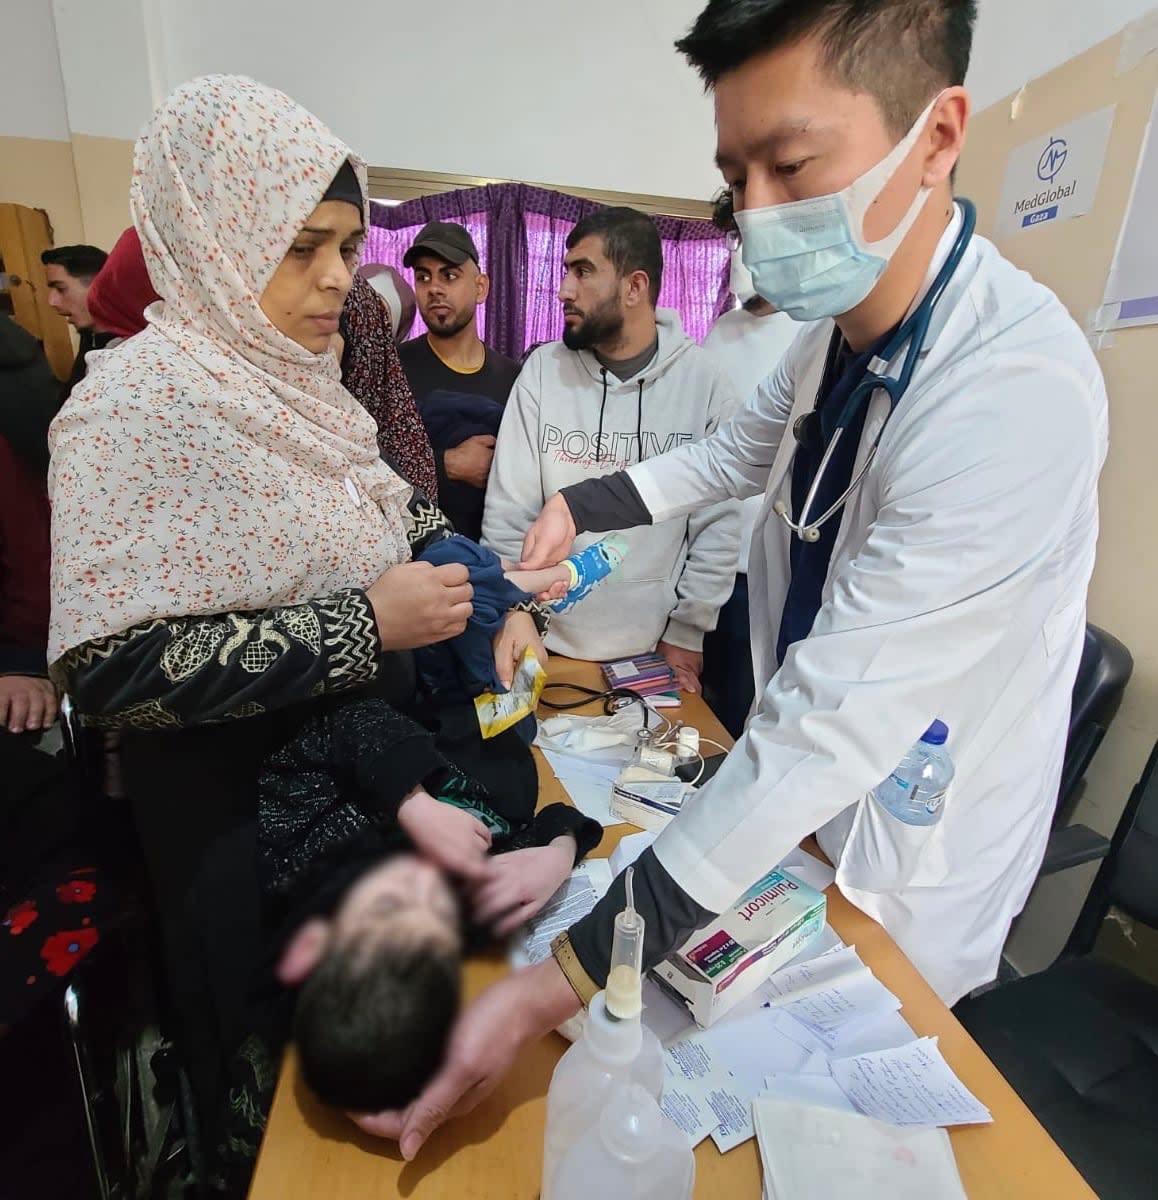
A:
[1055,176]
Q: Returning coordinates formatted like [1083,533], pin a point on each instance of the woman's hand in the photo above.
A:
[416,604]
[449,837]
[517,635]
[518,884]
[486,1039]
[550,538]
[27,702]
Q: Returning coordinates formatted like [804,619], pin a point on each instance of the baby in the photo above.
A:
[381,867]
[383,856]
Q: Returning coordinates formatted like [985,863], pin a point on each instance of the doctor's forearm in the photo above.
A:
[600,505]
[671,916]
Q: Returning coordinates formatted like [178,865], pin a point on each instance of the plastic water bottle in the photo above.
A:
[616,1050]
[633,1150]
[915,792]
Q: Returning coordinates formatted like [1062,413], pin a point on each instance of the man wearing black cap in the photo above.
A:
[460,384]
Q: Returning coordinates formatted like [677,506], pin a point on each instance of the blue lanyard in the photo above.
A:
[912,332]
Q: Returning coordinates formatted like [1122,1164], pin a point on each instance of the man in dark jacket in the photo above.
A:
[70,271]
[29,399]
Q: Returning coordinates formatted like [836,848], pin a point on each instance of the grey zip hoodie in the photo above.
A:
[569,419]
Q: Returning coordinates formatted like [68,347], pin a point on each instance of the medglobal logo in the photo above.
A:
[1047,197]
[1053,158]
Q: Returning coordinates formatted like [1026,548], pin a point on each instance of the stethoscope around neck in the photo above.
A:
[912,332]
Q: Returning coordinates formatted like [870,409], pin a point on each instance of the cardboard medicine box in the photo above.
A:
[726,962]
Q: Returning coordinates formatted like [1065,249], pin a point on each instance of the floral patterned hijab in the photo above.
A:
[212,464]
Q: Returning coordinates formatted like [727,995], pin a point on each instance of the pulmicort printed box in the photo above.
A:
[727,961]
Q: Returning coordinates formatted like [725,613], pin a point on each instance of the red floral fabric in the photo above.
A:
[372,373]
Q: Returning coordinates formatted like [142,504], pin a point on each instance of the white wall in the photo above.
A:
[31,88]
[1019,40]
[588,93]
[557,91]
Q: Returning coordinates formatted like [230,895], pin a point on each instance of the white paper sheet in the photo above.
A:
[817,1089]
[718,1072]
[574,899]
[909,1085]
[629,849]
[806,977]
[587,783]
[816,1153]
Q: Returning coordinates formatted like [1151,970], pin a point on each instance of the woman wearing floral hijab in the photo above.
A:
[228,546]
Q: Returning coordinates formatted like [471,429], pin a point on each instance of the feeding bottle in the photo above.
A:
[616,1049]
[632,1151]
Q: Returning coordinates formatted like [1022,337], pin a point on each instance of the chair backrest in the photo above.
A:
[1128,876]
[1104,671]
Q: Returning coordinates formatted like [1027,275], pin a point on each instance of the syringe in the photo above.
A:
[624,995]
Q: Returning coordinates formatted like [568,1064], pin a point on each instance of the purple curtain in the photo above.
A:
[521,233]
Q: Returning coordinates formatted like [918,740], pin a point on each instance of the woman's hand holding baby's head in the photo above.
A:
[517,885]
[449,837]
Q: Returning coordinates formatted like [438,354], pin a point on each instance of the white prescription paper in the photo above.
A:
[816,1153]
[805,978]
[830,995]
[908,1085]
[587,783]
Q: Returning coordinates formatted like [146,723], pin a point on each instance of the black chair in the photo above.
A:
[1105,669]
[1079,1041]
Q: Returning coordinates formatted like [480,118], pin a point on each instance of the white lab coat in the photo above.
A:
[956,590]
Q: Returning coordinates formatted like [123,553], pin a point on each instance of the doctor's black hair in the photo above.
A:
[630,240]
[900,52]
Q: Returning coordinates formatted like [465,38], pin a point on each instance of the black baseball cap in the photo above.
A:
[445,240]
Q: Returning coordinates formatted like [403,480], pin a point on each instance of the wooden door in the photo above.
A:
[24,234]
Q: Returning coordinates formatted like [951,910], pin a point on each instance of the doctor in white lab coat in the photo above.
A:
[956,583]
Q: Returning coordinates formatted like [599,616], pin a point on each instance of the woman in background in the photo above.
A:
[372,373]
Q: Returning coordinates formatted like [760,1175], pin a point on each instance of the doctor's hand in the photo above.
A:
[484,1044]
[517,635]
[550,538]
[687,665]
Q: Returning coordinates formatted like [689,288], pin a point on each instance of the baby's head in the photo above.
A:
[380,985]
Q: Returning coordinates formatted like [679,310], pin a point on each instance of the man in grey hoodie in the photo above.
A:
[625,384]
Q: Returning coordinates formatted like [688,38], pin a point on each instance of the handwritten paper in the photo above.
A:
[908,1085]
[830,995]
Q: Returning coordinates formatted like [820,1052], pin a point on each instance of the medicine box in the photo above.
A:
[647,799]
[727,961]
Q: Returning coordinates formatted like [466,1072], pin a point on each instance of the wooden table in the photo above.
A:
[311,1152]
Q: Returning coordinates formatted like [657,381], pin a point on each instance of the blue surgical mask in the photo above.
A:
[809,258]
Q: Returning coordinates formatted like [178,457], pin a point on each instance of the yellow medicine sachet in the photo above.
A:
[498,711]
